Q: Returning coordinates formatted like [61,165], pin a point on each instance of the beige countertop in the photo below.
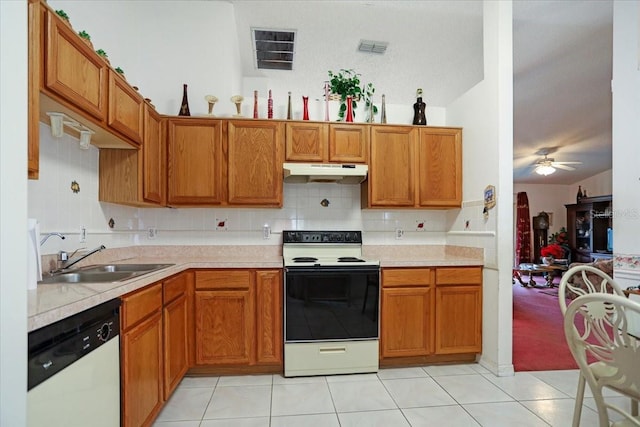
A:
[52,302]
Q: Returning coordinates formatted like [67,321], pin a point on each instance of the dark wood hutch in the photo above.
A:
[589,226]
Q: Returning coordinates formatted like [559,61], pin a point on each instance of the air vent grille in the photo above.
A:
[273,49]
[372,46]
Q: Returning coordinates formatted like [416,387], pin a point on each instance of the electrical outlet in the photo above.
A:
[153,232]
[399,233]
[266,231]
[83,235]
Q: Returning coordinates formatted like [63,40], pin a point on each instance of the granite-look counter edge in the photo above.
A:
[52,302]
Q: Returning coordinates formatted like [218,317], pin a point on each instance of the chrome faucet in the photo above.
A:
[46,237]
[65,262]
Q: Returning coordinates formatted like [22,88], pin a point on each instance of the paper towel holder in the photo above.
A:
[60,120]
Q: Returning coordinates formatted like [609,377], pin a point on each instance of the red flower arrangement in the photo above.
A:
[557,246]
[553,250]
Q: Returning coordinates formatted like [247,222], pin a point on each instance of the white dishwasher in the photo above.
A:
[74,370]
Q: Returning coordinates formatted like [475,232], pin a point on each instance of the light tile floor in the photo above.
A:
[439,396]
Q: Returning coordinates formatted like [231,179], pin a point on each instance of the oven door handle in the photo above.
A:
[324,270]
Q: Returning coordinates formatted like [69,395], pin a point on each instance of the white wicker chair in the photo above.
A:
[589,276]
[606,327]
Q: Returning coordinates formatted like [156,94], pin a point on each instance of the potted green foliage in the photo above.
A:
[347,83]
[62,14]
[85,37]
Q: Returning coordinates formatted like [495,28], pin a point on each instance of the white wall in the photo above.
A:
[486,114]
[626,133]
[13,213]
[161,45]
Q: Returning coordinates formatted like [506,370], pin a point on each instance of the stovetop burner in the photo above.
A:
[305,259]
[349,259]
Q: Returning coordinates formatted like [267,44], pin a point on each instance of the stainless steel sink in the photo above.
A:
[111,268]
[103,273]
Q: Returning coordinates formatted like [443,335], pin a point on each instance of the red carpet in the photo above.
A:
[538,336]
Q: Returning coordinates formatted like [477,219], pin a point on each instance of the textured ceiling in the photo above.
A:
[562,64]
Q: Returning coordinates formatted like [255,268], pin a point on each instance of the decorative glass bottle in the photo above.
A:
[383,111]
[579,195]
[289,108]
[419,117]
[270,106]
[184,107]
[255,104]
[305,108]
[326,101]
[349,115]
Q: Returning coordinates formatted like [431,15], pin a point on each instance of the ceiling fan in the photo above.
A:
[548,165]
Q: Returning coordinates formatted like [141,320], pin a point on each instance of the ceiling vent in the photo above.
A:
[371,46]
[273,49]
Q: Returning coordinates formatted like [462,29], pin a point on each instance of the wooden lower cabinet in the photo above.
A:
[458,310]
[430,314]
[238,317]
[142,356]
[406,312]
[155,346]
[176,330]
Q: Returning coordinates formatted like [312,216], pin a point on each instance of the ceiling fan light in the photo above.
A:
[545,170]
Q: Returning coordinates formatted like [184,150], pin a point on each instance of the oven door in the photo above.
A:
[331,303]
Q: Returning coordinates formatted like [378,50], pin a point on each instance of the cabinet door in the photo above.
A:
[440,167]
[224,326]
[458,310]
[348,143]
[126,108]
[175,343]
[405,324]
[254,157]
[392,167]
[37,17]
[73,70]
[153,158]
[194,162]
[269,339]
[142,395]
[458,319]
[306,142]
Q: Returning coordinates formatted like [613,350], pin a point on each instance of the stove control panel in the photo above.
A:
[331,237]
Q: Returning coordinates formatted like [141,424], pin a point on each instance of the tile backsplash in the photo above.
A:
[59,209]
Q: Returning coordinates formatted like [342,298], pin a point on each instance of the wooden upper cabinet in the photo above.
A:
[440,167]
[37,17]
[254,162]
[392,166]
[126,108]
[348,143]
[194,162]
[136,177]
[306,141]
[154,168]
[73,70]
[326,143]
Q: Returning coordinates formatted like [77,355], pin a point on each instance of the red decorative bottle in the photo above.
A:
[305,108]
[349,116]
[270,106]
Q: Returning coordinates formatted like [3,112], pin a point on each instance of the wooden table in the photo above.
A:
[548,270]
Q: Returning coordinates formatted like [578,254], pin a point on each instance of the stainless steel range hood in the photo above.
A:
[325,172]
